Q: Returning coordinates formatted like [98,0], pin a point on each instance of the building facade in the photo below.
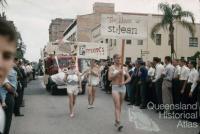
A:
[57,28]
[105,25]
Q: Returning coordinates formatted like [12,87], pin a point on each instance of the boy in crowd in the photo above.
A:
[7,53]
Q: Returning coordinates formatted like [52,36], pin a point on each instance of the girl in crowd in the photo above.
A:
[73,86]
[117,74]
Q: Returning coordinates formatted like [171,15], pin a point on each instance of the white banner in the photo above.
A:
[123,26]
[92,50]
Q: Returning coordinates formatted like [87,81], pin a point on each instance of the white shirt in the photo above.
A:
[29,68]
[168,72]
[23,67]
[132,69]
[177,71]
[2,119]
[193,78]
[158,71]
[184,73]
[151,71]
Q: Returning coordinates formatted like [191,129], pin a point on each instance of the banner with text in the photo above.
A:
[92,50]
[123,26]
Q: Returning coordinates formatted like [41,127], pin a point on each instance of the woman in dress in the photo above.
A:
[73,86]
[119,77]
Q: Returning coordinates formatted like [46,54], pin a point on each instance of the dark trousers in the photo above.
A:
[143,93]
[186,99]
[151,92]
[8,112]
[108,87]
[18,101]
[33,74]
[198,100]
[176,90]
[22,95]
[158,86]
[133,91]
[128,91]
[137,94]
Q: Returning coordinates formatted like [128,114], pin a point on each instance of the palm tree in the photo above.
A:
[173,14]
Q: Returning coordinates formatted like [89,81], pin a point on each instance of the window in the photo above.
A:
[111,42]
[115,42]
[128,42]
[106,40]
[193,42]
[158,39]
[101,41]
[140,42]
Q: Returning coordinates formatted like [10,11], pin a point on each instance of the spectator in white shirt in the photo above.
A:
[151,88]
[183,75]
[151,70]
[190,92]
[176,90]
[158,79]
[193,77]
[167,75]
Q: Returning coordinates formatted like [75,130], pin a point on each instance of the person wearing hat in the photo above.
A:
[143,74]
[134,85]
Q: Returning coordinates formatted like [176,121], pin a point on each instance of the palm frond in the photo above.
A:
[155,29]
[163,7]
[176,8]
[186,14]
[189,26]
[167,12]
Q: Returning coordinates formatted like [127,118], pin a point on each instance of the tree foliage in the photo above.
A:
[173,14]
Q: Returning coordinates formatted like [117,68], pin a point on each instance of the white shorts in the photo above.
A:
[119,89]
[72,89]
[93,81]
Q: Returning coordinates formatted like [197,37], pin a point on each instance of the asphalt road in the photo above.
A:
[47,114]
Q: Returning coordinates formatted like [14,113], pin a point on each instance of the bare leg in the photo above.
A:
[89,94]
[74,102]
[70,103]
[121,101]
[93,95]
[116,99]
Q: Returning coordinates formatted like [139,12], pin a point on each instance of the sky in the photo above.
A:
[32,17]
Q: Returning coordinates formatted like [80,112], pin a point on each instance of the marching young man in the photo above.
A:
[119,77]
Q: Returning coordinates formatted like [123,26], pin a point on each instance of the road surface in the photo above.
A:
[47,114]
